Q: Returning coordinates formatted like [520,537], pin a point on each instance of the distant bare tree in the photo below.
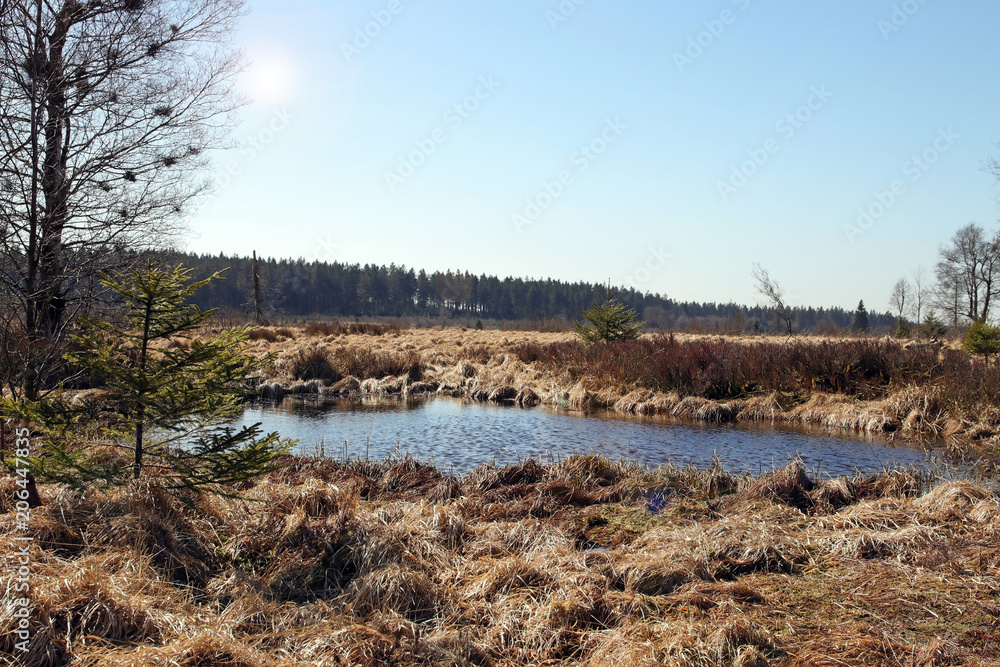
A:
[947,298]
[898,300]
[107,110]
[992,165]
[921,294]
[968,272]
[771,291]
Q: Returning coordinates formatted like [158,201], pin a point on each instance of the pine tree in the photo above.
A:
[609,321]
[861,318]
[168,398]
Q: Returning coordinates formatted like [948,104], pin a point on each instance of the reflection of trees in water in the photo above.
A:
[319,408]
[777,428]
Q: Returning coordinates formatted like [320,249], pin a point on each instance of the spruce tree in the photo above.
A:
[168,397]
[609,321]
[861,318]
[983,339]
[932,327]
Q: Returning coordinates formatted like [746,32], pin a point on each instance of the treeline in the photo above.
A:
[301,289]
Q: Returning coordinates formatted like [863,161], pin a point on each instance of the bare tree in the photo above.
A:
[901,293]
[968,273]
[771,291]
[992,165]
[921,294]
[947,297]
[107,110]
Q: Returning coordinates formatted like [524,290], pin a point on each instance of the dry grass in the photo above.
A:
[350,328]
[584,562]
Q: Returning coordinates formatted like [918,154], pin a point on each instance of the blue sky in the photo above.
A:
[663,144]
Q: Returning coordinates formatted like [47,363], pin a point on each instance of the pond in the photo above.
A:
[458,435]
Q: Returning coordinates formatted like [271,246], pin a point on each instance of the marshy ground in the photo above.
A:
[866,385]
[581,562]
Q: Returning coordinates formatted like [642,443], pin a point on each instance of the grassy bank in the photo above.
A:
[581,562]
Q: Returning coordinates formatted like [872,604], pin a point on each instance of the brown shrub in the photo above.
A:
[720,369]
[313,364]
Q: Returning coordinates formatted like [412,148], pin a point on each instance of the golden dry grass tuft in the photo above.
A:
[369,563]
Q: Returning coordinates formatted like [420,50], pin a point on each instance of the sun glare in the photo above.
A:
[271,78]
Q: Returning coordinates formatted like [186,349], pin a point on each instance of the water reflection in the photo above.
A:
[458,435]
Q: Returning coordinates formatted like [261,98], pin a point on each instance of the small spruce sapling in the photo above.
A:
[981,338]
[169,397]
[609,321]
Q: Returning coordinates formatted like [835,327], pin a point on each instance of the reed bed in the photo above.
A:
[585,561]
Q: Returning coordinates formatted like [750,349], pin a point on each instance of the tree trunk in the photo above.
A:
[52,304]
[34,500]
[255,271]
[137,467]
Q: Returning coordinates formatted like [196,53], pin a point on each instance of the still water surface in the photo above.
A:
[457,435]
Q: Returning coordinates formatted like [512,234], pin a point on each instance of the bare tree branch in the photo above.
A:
[108,111]
[921,294]
[771,291]
[968,273]
[902,291]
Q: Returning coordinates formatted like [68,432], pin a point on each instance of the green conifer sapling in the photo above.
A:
[609,321]
[168,397]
